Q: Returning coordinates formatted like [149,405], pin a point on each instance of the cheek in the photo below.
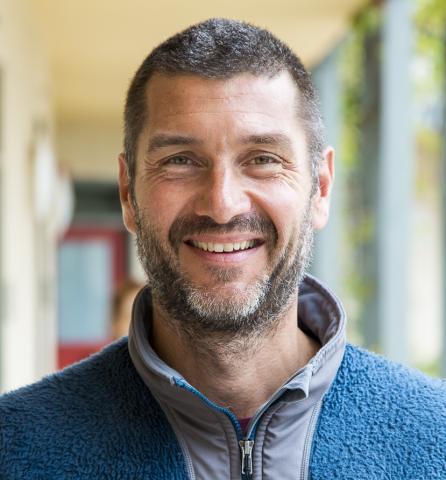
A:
[161,206]
[286,208]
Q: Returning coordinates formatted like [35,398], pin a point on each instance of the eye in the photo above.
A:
[263,160]
[180,160]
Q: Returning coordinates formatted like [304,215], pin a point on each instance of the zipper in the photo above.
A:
[228,413]
[246,446]
[309,440]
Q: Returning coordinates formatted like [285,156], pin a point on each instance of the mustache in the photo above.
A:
[196,225]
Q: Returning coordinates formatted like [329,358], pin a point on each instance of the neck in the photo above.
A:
[239,373]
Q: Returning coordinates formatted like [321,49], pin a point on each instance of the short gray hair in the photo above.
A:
[220,49]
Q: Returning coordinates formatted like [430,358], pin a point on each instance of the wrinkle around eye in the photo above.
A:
[156,171]
[289,174]
[266,165]
[160,164]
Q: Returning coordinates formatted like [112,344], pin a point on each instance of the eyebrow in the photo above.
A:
[275,139]
[162,140]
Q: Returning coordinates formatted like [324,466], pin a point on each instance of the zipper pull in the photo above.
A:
[246,447]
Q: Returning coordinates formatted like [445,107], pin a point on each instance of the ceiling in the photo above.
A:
[96,45]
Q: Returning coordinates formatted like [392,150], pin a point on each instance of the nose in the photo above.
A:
[222,196]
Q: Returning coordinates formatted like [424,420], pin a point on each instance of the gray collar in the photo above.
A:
[321,315]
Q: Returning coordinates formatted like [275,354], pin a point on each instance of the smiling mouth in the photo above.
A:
[224,247]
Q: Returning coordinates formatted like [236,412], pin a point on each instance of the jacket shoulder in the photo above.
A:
[85,382]
[380,418]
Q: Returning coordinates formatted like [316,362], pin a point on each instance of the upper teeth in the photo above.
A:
[223,247]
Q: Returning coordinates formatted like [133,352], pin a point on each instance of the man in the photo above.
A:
[236,364]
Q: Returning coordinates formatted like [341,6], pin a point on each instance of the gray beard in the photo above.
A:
[199,312]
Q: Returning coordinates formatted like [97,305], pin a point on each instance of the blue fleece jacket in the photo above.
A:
[97,419]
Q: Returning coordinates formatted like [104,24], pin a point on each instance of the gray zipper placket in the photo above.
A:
[257,454]
[304,471]
[244,440]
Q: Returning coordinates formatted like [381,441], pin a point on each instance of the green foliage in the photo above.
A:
[432,369]
[352,62]
[430,21]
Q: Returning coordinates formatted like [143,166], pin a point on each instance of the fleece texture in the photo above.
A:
[380,420]
[97,420]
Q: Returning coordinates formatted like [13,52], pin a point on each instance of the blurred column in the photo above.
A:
[369,141]
[25,343]
[327,258]
[443,213]
[395,179]
[2,281]
[443,243]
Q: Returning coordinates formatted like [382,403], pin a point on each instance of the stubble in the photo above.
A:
[198,313]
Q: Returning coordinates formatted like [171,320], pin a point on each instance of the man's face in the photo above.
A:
[222,207]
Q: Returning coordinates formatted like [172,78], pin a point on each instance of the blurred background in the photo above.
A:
[67,265]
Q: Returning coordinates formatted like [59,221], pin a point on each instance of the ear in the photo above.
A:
[128,212]
[321,199]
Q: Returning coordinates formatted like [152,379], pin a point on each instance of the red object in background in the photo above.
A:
[71,352]
[115,237]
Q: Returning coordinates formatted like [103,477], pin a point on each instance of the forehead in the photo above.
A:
[245,96]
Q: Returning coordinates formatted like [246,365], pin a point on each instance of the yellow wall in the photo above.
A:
[89,147]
